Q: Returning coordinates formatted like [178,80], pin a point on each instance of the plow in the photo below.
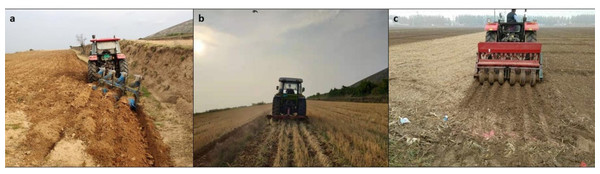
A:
[107,66]
[510,53]
[288,102]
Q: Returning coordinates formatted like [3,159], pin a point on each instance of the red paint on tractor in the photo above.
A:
[93,57]
[105,40]
[491,27]
[121,56]
[531,26]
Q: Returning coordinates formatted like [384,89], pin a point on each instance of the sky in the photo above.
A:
[453,13]
[56,29]
[239,55]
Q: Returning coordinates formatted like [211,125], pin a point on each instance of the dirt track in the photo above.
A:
[551,124]
[337,134]
[54,118]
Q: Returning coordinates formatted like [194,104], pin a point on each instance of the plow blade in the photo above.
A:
[107,78]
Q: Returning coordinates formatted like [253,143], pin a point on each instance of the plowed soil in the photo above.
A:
[54,118]
[336,134]
[551,124]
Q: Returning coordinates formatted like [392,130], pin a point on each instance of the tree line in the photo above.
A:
[480,20]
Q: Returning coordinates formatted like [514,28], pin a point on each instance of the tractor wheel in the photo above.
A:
[490,36]
[302,107]
[481,76]
[491,76]
[123,67]
[501,77]
[533,78]
[531,36]
[92,70]
[522,77]
[512,77]
[276,106]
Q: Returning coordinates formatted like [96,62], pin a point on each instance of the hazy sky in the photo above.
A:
[56,29]
[453,13]
[239,55]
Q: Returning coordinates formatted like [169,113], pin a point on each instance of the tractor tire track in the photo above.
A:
[282,146]
[315,144]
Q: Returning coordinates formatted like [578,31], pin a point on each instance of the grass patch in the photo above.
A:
[145,92]
[182,58]
[12,126]
[158,124]
[20,99]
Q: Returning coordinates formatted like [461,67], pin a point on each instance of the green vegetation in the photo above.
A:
[364,88]
[145,92]
[12,126]
[175,34]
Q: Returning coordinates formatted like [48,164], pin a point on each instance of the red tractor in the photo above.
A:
[108,66]
[510,52]
[105,53]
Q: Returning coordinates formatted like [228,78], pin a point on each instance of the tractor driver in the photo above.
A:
[511,17]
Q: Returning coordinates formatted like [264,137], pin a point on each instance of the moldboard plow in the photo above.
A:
[107,80]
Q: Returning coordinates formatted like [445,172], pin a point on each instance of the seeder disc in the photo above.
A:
[522,78]
[512,77]
[481,76]
[533,78]
[501,77]
[492,75]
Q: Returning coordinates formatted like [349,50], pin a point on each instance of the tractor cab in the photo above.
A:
[290,86]
[513,31]
[106,48]
[289,102]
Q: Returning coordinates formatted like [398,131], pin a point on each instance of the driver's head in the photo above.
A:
[513,10]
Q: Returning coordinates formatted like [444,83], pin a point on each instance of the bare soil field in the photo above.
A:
[336,134]
[167,67]
[551,124]
[54,118]
[409,35]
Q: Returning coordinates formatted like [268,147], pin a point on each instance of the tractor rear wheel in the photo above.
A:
[276,106]
[92,70]
[530,36]
[302,107]
[490,36]
[123,67]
